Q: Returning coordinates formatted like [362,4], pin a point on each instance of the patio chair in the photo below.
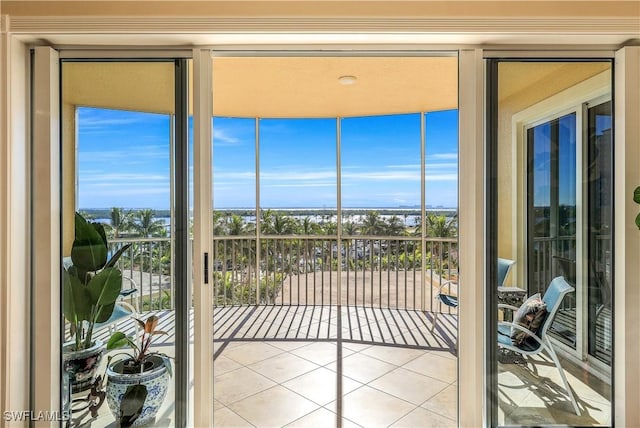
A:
[447,299]
[450,300]
[539,343]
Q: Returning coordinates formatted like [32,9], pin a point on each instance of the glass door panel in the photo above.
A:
[600,226]
[552,213]
[329,308]
[121,241]
[550,206]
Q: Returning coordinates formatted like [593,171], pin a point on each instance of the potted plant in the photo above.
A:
[137,384]
[91,284]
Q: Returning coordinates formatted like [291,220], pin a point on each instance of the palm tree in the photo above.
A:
[146,223]
[236,225]
[282,225]
[120,221]
[266,221]
[307,227]
[219,226]
[441,226]
[349,228]
[394,226]
[372,224]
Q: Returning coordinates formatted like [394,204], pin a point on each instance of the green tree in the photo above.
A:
[147,225]
[394,226]
[307,227]
[441,226]
[372,224]
[120,221]
[236,225]
[218,223]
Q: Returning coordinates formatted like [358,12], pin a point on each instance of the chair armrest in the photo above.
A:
[445,283]
[128,292]
[129,307]
[505,306]
[524,329]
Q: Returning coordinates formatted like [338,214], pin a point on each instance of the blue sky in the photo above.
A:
[542,150]
[123,160]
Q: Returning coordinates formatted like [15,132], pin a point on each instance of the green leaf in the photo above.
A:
[103,313]
[76,301]
[116,256]
[89,250]
[117,340]
[638,221]
[104,288]
[99,227]
[636,195]
[132,404]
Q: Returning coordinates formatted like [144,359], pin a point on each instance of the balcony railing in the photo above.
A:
[364,271]
[148,266]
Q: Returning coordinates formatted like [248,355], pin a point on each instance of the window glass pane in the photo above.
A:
[118,236]
[552,237]
[600,262]
[234,176]
[330,304]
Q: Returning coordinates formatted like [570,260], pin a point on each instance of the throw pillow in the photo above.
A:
[530,316]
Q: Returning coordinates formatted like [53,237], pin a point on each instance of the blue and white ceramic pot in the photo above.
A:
[155,378]
[81,366]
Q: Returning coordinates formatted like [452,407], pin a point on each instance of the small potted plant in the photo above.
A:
[137,384]
[91,284]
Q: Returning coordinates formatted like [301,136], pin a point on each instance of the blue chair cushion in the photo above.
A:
[451,301]
[504,335]
[504,338]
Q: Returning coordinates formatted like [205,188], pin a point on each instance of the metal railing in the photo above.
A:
[543,266]
[365,271]
[148,263]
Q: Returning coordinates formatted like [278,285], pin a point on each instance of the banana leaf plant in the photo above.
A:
[92,283]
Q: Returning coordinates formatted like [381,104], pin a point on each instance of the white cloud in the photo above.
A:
[222,138]
[302,185]
[443,165]
[442,177]
[442,156]
[107,179]
[137,153]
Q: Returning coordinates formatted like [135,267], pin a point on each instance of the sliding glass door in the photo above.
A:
[334,221]
[550,161]
[125,241]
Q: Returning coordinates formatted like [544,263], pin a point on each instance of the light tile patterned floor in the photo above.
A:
[395,373]
[393,369]
[298,388]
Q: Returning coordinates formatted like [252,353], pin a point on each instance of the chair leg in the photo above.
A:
[435,320]
[554,357]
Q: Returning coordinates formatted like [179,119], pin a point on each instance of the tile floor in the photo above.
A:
[293,384]
[279,368]
[532,394]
